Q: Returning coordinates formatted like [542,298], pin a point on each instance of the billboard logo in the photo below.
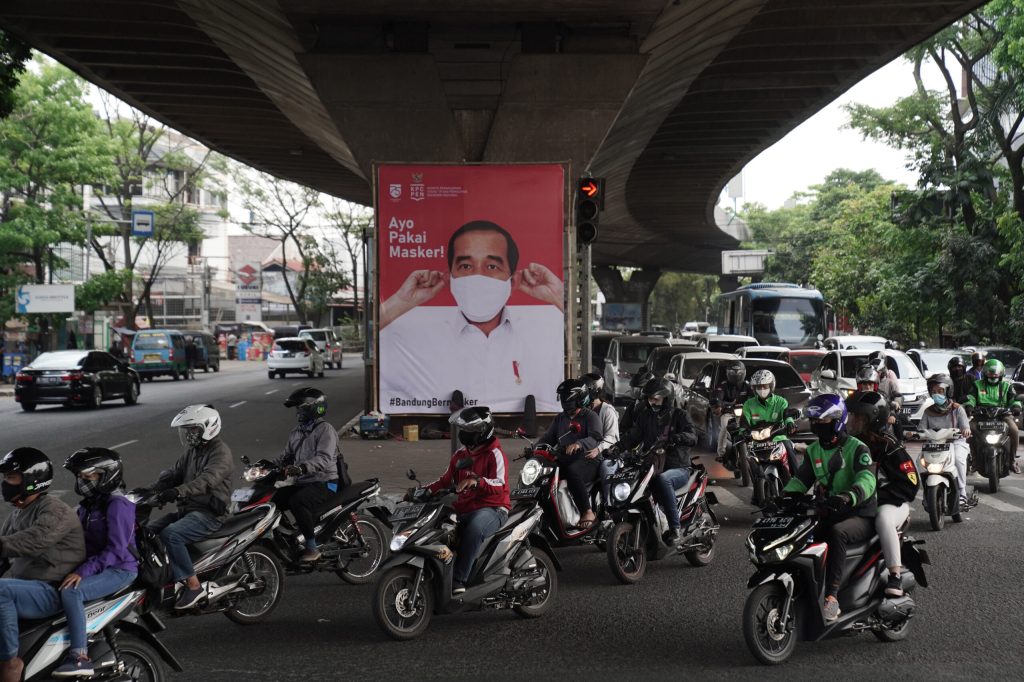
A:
[395,191]
[247,275]
[23,298]
[417,190]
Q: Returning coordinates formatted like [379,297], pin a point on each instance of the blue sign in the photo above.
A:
[142,223]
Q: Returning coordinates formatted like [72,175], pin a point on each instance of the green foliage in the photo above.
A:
[101,290]
[14,54]
[680,297]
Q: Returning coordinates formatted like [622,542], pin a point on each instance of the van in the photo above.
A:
[208,350]
[159,352]
[328,343]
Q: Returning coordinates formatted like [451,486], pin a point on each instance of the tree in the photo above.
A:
[680,297]
[14,55]
[351,221]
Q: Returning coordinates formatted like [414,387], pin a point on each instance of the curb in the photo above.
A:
[347,426]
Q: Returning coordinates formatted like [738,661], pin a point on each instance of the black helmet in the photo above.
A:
[947,384]
[736,372]
[35,469]
[310,403]
[595,384]
[573,394]
[978,356]
[870,405]
[640,379]
[102,461]
[956,365]
[475,425]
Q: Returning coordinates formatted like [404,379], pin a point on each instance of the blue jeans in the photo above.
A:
[23,599]
[177,530]
[664,489]
[608,467]
[102,584]
[474,530]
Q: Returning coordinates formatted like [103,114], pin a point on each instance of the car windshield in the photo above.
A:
[1008,356]
[726,346]
[144,341]
[660,361]
[59,360]
[316,336]
[636,352]
[766,354]
[785,376]
[938,361]
[291,346]
[693,366]
[805,363]
[783,321]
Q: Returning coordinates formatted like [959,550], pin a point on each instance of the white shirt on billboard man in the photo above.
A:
[494,353]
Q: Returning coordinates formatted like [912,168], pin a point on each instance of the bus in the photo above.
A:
[776,314]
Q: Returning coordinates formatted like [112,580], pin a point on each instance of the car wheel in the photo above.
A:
[132,396]
[216,368]
[28,407]
[271,374]
[96,400]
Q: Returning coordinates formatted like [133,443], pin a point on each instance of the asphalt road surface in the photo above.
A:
[680,621]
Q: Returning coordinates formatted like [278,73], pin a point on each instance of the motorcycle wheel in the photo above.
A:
[897,634]
[141,661]
[759,491]
[392,614]
[993,475]
[761,626]
[744,475]
[773,489]
[253,608]
[936,507]
[628,564]
[550,589]
[704,558]
[360,571]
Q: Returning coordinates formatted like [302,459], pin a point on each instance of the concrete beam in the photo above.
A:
[637,289]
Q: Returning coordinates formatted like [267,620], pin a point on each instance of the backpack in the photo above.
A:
[154,564]
[344,479]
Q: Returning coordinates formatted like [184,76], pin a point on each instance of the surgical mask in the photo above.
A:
[11,492]
[480,298]
[826,434]
[763,393]
[939,399]
[86,488]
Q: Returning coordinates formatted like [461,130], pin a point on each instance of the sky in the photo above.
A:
[797,161]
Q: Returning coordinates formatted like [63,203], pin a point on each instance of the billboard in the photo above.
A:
[248,292]
[44,298]
[470,286]
[622,316]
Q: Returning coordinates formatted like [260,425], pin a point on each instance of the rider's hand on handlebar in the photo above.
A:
[838,503]
[169,495]
[139,492]
[292,470]
[466,483]
[410,495]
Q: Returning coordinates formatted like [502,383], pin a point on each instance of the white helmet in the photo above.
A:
[762,377]
[196,423]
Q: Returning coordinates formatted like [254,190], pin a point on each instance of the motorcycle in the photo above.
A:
[121,638]
[941,491]
[516,567]
[352,544]
[734,460]
[237,565]
[990,444]
[767,459]
[638,521]
[789,585]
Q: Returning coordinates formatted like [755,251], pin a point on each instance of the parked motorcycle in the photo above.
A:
[938,464]
[990,444]
[351,536]
[237,564]
[638,521]
[789,584]
[516,568]
[121,637]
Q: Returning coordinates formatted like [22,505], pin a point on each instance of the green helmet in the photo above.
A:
[993,371]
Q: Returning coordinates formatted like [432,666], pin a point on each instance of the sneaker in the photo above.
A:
[831,610]
[1016,466]
[670,536]
[894,586]
[457,588]
[310,555]
[74,666]
[189,597]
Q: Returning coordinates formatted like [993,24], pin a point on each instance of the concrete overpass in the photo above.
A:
[667,99]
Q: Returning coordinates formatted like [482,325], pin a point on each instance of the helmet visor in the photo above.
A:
[190,436]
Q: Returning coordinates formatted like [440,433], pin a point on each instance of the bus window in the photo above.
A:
[790,322]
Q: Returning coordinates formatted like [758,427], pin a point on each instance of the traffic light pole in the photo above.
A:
[585,314]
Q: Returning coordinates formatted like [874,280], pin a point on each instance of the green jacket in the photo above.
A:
[757,412]
[1000,395]
[846,468]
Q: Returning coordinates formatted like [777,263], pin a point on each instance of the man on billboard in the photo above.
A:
[494,353]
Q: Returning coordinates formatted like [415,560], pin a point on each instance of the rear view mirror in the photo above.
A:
[828,374]
[670,376]
[245,460]
[520,432]
[411,475]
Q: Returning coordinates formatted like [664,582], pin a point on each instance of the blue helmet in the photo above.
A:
[828,405]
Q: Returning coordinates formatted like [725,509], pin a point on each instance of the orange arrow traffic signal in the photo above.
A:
[589,188]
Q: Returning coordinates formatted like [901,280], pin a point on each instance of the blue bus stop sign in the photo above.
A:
[142,223]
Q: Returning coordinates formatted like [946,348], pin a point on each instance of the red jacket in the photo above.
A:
[490,469]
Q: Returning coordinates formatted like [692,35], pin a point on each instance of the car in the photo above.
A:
[1017,378]
[805,361]
[328,343]
[856,342]
[209,350]
[600,339]
[686,366]
[724,343]
[837,374]
[936,360]
[788,384]
[75,377]
[766,352]
[295,355]
[159,352]
[658,360]
[626,355]
[1010,356]
[695,327]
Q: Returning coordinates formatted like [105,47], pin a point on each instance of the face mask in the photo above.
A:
[305,414]
[86,488]
[11,492]
[763,393]
[826,433]
[189,436]
[480,298]
[939,399]
[469,438]
[992,381]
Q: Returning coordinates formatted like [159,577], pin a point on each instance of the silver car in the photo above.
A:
[626,356]
[328,343]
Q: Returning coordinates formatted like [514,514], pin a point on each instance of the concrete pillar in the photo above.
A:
[636,290]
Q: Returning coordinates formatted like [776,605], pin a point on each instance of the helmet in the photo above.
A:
[595,384]
[956,365]
[573,394]
[947,384]
[474,424]
[978,357]
[640,379]
[877,360]
[658,388]
[867,374]
[35,469]
[825,406]
[762,377]
[993,371]
[196,424]
[102,461]
[735,373]
[870,405]
[310,403]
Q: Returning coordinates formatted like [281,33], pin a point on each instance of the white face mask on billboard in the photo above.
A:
[480,298]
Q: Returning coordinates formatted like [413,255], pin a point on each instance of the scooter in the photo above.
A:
[516,568]
[121,638]
[638,521]
[734,460]
[990,444]
[767,459]
[941,491]
[788,584]
[352,543]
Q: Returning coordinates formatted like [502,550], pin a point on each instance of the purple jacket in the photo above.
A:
[109,534]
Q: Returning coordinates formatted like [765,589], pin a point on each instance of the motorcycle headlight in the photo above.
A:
[993,438]
[780,553]
[761,435]
[398,541]
[934,468]
[737,411]
[621,491]
[254,474]
[530,472]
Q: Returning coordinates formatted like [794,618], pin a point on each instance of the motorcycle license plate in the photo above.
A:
[525,493]
[242,494]
[907,411]
[775,522]
[935,447]
[989,424]
[406,513]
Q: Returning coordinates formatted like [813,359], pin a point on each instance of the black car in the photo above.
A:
[75,377]
[788,384]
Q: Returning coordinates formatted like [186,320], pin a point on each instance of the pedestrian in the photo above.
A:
[72,340]
[232,346]
[191,352]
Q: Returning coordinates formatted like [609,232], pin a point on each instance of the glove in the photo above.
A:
[613,452]
[410,494]
[791,429]
[169,495]
[682,439]
[838,503]
[1016,411]
[292,470]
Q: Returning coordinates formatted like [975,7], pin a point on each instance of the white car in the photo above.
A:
[856,342]
[837,374]
[328,343]
[296,355]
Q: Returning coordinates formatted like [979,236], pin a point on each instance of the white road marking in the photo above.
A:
[243,402]
[1012,491]
[121,445]
[270,392]
[997,504]
[727,498]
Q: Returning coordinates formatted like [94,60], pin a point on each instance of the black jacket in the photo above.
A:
[728,393]
[560,433]
[204,477]
[648,429]
[897,476]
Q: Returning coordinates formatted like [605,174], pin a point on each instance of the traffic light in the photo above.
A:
[589,202]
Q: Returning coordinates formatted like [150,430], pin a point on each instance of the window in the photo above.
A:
[636,352]
[831,362]
[805,364]
[692,367]
[291,346]
[613,351]
[59,360]
[148,341]
[792,322]
[785,376]
[903,366]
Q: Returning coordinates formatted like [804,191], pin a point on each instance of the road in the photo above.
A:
[679,621]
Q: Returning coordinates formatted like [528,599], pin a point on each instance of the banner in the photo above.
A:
[470,287]
[44,298]
[248,293]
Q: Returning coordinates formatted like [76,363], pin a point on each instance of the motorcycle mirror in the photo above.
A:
[792,413]
[575,427]
[411,475]
[520,432]
[464,463]
[245,460]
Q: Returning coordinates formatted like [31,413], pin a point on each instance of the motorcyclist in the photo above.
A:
[842,466]
[897,477]
[666,423]
[310,455]
[995,391]
[638,404]
[733,390]
[977,370]
[609,431]
[945,413]
[482,487]
[577,429]
[41,542]
[961,381]
[200,483]
[764,409]
[869,380]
